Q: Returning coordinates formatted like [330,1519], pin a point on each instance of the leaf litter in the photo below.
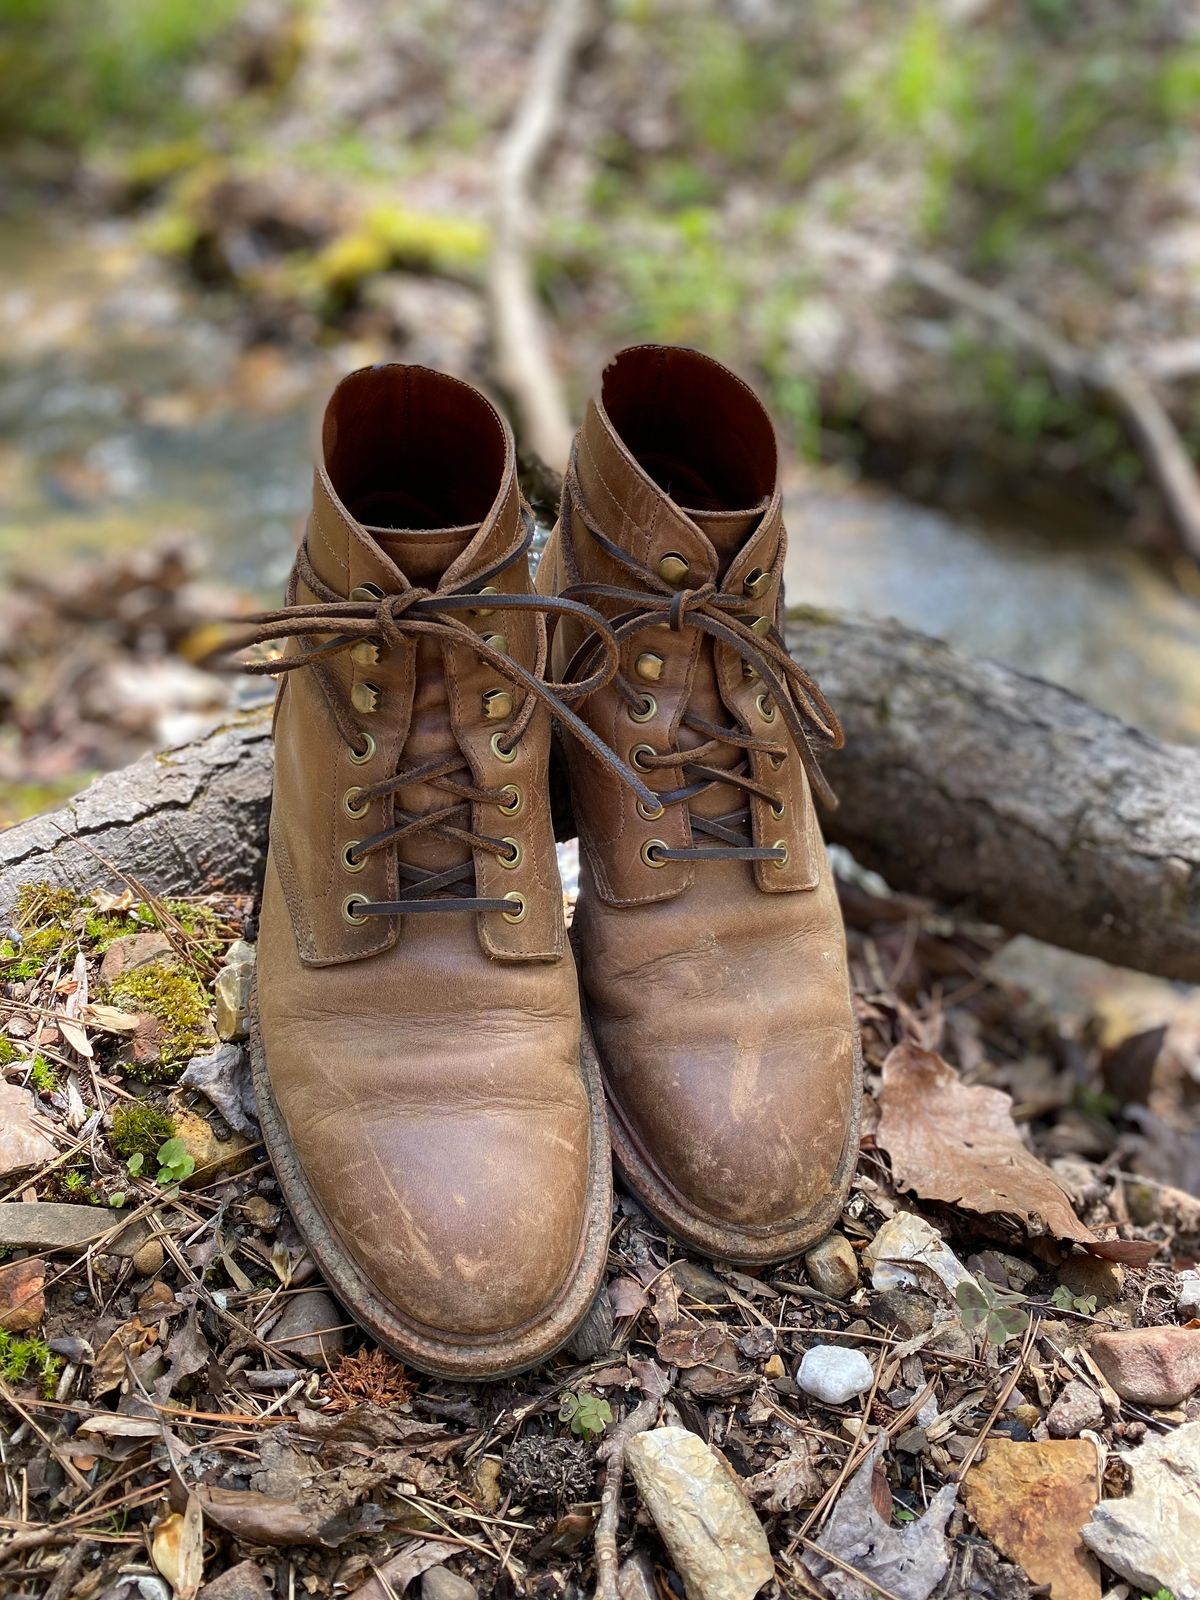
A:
[155,1430]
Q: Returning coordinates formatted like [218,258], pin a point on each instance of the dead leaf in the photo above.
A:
[394,1577]
[1031,1500]
[909,1562]
[126,1344]
[627,1297]
[688,1344]
[790,1483]
[958,1143]
[111,1019]
[177,1550]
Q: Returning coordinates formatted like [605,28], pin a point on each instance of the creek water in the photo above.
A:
[131,408]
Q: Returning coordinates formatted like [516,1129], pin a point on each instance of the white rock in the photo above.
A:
[834,1374]
[1152,1536]
[909,1253]
[1189,1295]
[717,1544]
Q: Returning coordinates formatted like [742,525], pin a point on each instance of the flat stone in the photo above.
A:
[1151,1537]
[715,1540]
[223,1077]
[311,1329]
[834,1374]
[905,1310]
[211,1155]
[1077,1407]
[438,1584]
[22,1145]
[832,1267]
[134,950]
[22,1297]
[53,1227]
[1030,1500]
[1150,1366]
[1089,1275]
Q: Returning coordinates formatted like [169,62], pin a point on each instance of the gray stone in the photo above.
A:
[46,1226]
[243,1582]
[1077,1407]
[832,1267]
[310,1330]
[1152,1537]
[438,1584]
[1189,1296]
[133,951]
[834,1374]
[905,1310]
[223,1077]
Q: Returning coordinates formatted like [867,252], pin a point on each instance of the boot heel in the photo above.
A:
[562,812]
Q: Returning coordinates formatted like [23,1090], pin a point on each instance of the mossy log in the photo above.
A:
[961,780]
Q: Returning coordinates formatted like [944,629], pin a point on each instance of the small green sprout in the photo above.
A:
[1063,1299]
[991,1311]
[174,1163]
[586,1412]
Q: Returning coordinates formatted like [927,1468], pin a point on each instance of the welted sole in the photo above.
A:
[719,1241]
[430,1350]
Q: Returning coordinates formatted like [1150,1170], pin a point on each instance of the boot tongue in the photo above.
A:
[423,554]
[727,531]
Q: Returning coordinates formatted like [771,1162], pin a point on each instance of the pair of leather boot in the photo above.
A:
[440,1070]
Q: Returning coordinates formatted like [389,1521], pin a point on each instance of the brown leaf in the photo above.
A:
[1031,1500]
[394,1576]
[177,1550]
[627,1297]
[958,1143]
[128,1342]
[687,1345]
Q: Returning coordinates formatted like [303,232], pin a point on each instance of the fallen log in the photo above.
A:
[1005,796]
[962,781]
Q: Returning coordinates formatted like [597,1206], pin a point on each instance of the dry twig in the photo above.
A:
[612,1452]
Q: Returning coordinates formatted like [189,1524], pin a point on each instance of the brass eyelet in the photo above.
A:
[638,751]
[350,808]
[349,915]
[778,807]
[673,568]
[513,859]
[775,760]
[649,710]
[648,852]
[350,864]
[522,906]
[498,750]
[360,759]
[516,803]
[764,707]
[781,844]
[365,698]
[645,812]
[366,591]
[486,611]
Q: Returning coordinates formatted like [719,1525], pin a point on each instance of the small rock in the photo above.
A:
[135,950]
[223,1077]
[243,1582]
[832,1267]
[148,1259]
[1030,1500]
[22,1300]
[1152,1537]
[232,992]
[311,1329]
[1089,1275]
[1189,1296]
[22,1145]
[909,1313]
[716,1542]
[1077,1407]
[834,1374]
[438,1584]
[699,1284]
[1150,1366]
[909,1253]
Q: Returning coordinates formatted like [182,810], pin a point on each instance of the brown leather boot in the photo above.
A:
[416,1042]
[708,932]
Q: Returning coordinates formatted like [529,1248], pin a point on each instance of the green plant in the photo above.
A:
[586,1412]
[174,1162]
[166,990]
[990,1311]
[139,1129]
[1063,1299]
[42,1075]
[19,1358]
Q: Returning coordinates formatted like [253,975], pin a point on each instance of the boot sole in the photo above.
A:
[753,1247]
[468,1358]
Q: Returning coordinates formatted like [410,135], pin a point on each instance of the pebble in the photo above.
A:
[909,1313]
[834,1374]
[245,1581]
[1077,1407]
[310,1329]
[832,1267]
[147,1260]
[715,1540]
[1150,1366]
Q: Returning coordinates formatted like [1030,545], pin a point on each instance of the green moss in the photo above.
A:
[168,991]
[8,1053]
[138,1128]
[22,1358]
[393,236]
[43,1076]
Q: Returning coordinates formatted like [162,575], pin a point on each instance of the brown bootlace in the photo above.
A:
[412,614]
[807,716]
